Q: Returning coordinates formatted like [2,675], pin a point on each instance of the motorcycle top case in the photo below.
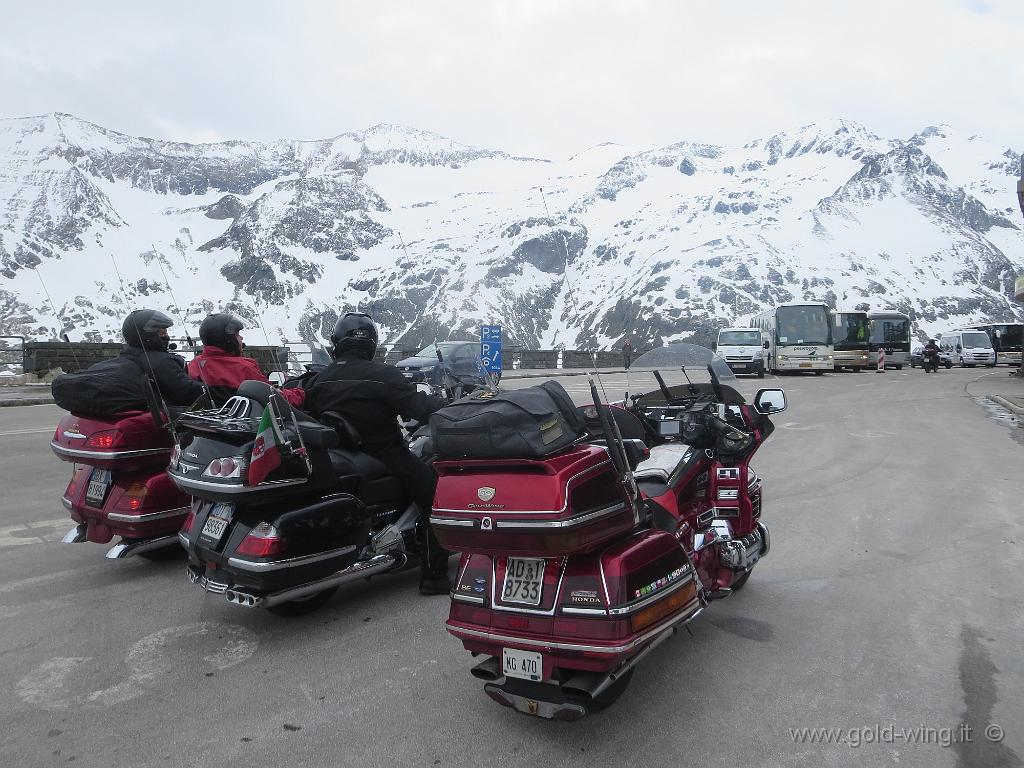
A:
[565,504]
[528,423]
[123,441]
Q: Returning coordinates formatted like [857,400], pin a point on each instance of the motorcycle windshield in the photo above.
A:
[681,364]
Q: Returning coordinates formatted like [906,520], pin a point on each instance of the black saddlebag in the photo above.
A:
[104,389]
[518,424]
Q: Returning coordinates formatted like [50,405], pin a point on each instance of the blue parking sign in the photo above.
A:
[490,348]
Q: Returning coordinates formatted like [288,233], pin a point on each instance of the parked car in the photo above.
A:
[461,358]
[917,357]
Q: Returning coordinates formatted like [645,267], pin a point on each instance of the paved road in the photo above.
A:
[892,597]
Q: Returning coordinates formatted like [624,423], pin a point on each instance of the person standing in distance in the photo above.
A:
[371,396]
[627,353]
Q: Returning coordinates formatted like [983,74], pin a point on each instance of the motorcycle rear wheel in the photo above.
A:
[303,605]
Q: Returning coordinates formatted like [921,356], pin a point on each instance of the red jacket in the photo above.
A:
[220,369]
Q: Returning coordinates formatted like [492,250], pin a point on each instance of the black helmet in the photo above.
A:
[140,330]
[354,333]
[221,330]
[931,341]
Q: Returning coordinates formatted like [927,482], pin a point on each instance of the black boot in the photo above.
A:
[433,563]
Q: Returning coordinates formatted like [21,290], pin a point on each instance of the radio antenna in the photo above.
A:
[270,347]
[60,321]
[177,307]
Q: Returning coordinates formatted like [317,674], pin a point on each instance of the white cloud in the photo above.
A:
[545,77]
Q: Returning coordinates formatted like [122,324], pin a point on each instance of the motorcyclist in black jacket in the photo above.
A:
[371,396]
[145,334]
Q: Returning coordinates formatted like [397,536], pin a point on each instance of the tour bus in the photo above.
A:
[1007,340]
[890,330]
[799,336]
[969,347]
[851,334]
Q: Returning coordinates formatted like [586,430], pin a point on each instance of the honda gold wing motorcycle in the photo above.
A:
[285,539]
[578,564]
[119,485]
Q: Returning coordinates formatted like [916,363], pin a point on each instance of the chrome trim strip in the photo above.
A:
[274,565]
[452,523]
[609,649]
[585,611]
[81,453]
[183,539]
[468,598]
[203,485]
[74,435]
[64,500]
[570,523]
[147,516]
[633,607]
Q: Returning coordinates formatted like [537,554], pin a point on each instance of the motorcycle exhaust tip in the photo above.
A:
[76,535]
[488,670]
[241,598]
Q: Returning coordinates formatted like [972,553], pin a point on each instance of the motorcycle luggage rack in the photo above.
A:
[232,417]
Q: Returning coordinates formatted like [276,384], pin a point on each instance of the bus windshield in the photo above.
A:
[891,331]
[852,331]
[803,325]
[739,339]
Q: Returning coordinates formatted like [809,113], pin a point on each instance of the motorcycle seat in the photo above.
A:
[662,461]
[346,462]
[314,434]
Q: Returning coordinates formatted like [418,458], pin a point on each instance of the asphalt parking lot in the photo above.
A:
[890,609]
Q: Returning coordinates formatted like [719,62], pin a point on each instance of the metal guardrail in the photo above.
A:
[12,356]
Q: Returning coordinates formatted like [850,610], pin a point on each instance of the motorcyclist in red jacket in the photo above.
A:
[221,366]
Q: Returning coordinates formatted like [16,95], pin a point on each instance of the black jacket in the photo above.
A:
[931,349]
[176,386]
[370,396]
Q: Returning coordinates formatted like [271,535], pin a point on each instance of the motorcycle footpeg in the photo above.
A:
[386,539]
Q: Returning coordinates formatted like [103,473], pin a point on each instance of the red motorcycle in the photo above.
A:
[119,485]
[577,565]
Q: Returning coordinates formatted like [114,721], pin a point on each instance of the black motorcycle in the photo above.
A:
[930,360]
[328,514]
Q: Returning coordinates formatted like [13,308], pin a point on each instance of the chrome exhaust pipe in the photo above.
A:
[590,685]
[76,535]
[242,598]
[360,570]
[130,548]
[489,669]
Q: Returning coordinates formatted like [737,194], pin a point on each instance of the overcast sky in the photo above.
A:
[540,77]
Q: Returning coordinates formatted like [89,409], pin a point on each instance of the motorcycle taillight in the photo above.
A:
[105,439]
[262,541]
[190,518]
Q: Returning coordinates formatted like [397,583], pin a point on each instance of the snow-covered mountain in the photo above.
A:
[433,237]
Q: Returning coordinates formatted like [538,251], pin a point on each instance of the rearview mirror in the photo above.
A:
[770,401]
[765,344]
[276,378]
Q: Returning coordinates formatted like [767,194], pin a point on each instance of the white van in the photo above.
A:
[742,349]
[968,347]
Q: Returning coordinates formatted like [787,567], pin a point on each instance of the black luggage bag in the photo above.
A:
[527,423]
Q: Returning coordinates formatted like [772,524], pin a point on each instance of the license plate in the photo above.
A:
[805,365]
[526,665]
[524,581]
[99,482]
[218,520]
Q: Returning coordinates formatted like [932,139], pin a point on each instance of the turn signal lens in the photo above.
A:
[189,519]
[661,609]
